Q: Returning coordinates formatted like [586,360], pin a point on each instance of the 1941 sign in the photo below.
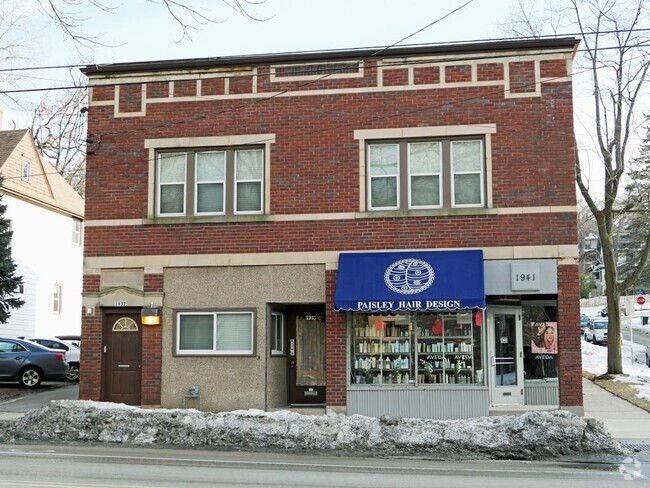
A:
[525,276]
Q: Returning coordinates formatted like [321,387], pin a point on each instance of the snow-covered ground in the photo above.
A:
[594,358]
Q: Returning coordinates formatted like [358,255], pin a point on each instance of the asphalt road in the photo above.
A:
[56,466]
[640,336]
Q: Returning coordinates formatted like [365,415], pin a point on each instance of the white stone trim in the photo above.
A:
[567,254]
[338,216]
[233,140]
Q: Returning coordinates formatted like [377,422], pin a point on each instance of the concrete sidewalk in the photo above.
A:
[623,420]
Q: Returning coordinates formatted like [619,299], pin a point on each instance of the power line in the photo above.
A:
[442,43]
[497,90]
[389,65]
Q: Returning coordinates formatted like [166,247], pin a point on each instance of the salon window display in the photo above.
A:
[417,349]
[540,342]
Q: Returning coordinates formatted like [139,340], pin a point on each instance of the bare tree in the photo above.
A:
[59,129]
[66,14]
[615,52]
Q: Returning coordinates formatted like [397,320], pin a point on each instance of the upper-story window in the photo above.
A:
[210,182]
[76,232]
[26,170]
[422,174]
[57,297]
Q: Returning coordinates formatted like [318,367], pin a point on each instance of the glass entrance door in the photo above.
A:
[306,366]
[506,356]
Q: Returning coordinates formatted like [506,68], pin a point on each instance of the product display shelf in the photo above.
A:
[445,358]
[382,359]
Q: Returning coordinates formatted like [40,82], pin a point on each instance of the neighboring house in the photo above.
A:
[384,232]
[46,217]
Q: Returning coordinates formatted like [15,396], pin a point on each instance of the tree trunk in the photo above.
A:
[613,293]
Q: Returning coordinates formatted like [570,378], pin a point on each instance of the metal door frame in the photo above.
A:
[515,393]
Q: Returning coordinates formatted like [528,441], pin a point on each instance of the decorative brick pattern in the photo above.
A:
[395,77]
[553,68]
[489,72]
[426,75]
[130,98]
[458,74]
[158,90]
[522,77]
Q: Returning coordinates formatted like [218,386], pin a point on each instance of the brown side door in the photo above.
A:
[122,356]
[306,359]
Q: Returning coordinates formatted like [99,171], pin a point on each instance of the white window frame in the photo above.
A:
[159,185]
[236,182]
[440,175]
[197,183]
[396,175]
[371,136]
[157,146]
[481,173]
[278,334]
[76,231]
[26,170]
[57,298]
[214,351]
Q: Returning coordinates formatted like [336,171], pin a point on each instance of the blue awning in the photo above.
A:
[416,281]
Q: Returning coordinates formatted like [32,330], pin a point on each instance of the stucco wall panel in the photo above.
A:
[229,383]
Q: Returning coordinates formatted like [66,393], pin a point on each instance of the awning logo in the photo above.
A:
[409,276]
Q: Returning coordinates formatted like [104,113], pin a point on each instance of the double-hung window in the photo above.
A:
[425,174]
[215,333]
[210,182]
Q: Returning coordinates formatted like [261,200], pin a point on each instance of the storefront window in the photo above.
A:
[540,342]
[415,349]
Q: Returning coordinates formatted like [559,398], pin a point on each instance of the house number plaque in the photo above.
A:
[525,276]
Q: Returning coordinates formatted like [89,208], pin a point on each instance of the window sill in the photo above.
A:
[205,219]
[433,212]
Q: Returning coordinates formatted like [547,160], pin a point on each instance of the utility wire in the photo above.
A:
[152,76]
[442,43]
[497,92]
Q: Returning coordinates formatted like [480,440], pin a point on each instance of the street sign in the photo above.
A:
[639,291]
[640,300]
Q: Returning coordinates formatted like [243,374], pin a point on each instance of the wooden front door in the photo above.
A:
[122,356]
[306,359]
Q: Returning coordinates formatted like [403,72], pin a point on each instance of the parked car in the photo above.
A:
[584,320]
[647,355]
[596,331]
[73,338]
[29,363]
[72,353]
[605,313]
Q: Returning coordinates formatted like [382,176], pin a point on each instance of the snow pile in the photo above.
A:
[533,435]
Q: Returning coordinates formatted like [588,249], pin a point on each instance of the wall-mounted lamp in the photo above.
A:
[150,316]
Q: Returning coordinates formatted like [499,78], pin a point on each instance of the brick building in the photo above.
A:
[377,232]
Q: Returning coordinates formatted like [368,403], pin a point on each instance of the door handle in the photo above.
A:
[292,364]
[18,358]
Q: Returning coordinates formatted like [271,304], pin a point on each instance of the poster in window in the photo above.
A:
[543,338]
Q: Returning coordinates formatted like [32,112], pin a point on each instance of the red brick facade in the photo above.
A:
[315,170]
